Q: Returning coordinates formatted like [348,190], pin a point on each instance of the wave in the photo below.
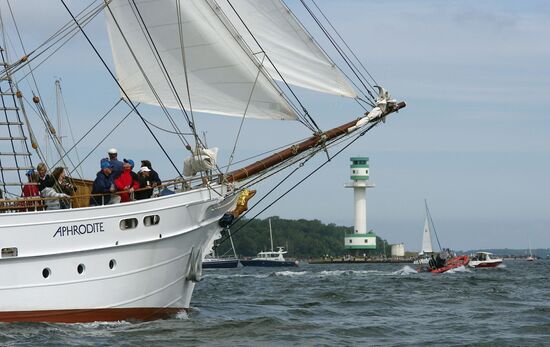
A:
[406,270]
[458,270]
[290,273]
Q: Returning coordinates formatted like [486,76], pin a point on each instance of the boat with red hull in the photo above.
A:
[450,264]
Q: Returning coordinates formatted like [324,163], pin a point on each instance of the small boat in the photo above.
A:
[213,261]
[452,263]
[530,257]
[270,259]
[484,259]
[427,248]
[219,263]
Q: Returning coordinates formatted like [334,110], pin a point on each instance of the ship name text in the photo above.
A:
[79,229]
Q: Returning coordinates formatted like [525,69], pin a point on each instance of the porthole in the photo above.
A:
[129,223]
[112,264]
[46,272]
[80,268]
[151,220]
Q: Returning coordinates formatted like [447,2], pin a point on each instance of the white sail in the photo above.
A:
[426,238]
[294,53]
[223,77]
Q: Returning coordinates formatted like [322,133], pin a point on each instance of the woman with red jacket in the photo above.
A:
[127,181]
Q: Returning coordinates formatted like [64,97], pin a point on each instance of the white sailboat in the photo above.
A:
[140,260]
[530,256]
[426,251]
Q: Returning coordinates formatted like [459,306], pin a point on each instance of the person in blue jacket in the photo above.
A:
[103,184]
[115,163]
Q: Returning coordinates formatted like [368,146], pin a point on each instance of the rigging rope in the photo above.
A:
[340,51]
[108,134]
[344,42]
[309,122]
[148,81]
[88,133]
[295,185]
[121,88]
[242,121]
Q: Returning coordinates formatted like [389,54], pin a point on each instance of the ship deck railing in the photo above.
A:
[38,203]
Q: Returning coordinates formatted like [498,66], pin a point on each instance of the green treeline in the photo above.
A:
[301,238]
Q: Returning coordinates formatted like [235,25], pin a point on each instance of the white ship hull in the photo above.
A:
[138,273]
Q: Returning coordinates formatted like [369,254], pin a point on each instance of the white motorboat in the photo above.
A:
[484,259]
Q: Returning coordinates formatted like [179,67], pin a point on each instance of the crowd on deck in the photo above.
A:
[116,182]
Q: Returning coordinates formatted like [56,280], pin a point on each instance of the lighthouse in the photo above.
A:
[361,239]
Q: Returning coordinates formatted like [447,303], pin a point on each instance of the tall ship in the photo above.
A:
[63,260]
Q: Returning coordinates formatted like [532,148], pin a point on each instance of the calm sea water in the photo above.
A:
[333,305]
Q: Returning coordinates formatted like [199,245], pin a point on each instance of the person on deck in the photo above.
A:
[145,184]
[44,179]
[439,261]
[62,186]
[103,184]
[154,176]
[52,204]
[30,189]
[113,160]
[127,181]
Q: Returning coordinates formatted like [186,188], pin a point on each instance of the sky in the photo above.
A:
[473,140]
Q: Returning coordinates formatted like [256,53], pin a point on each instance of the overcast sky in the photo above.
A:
[474,139]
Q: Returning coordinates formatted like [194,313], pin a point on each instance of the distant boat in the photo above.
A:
[530,257]
[484,259]
[453,263]
[213,261]
[426,252]
[219,263]
[270,259]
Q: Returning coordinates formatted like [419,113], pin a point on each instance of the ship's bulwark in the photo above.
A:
[114,273]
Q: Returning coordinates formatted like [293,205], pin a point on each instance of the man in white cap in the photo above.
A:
[115,163]
[145,184]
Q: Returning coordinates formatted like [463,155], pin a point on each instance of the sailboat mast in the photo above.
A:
[432,223]
[270,234]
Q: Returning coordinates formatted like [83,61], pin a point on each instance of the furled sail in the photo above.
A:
[190,37]
[294,53]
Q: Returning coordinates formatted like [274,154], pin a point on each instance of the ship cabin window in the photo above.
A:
[151,220]
[46,272]
[112,264]
[355,162]
[350,241]
[80,268]
[9,252]
[366,241]
[129,223]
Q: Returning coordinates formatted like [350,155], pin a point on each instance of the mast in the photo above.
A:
[270,234]
[317,140]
